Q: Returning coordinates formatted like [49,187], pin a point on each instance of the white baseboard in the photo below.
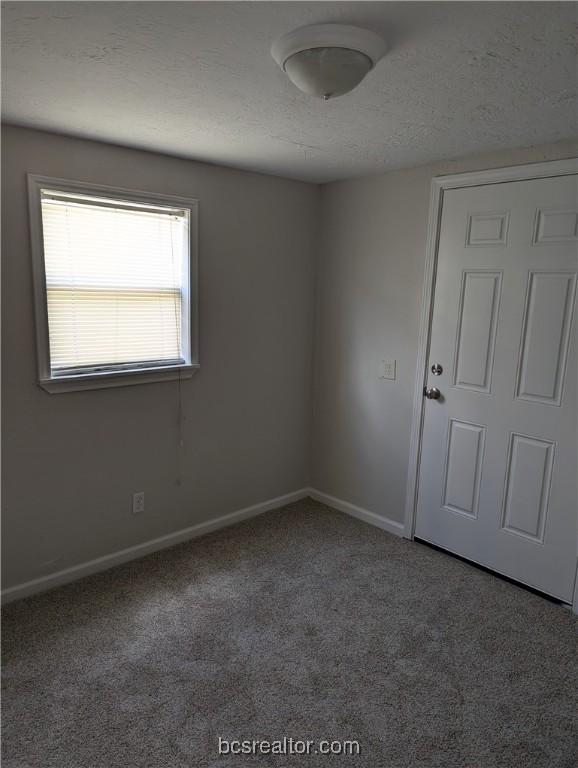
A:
[139,550]
[385,523]
[76,572]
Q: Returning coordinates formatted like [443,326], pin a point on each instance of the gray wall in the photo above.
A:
[254,424]
[72,461]
[368,303]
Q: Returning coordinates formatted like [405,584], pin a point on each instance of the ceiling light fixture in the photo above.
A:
[327,60]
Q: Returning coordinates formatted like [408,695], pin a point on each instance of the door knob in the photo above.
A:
[432,393]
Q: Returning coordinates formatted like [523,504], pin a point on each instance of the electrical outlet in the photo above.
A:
[387,369]
[138,503]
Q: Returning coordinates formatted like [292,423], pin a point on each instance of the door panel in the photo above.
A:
[499,458]
[527,490]
[477,324]
[556,226]
[545,336]
[463,467]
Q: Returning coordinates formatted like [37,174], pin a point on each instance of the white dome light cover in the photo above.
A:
[327,72]
[327,60]
[328,36]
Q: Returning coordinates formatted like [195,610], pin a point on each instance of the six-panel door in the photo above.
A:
[499,459]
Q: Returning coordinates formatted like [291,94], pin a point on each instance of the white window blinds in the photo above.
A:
[117,276]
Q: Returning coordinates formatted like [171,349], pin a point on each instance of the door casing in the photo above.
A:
[439,185]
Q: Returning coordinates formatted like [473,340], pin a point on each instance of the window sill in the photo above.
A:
[109,379]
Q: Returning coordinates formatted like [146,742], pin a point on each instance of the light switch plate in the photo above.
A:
[387,369]
[138,503]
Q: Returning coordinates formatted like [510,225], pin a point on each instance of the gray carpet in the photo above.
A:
[302,623]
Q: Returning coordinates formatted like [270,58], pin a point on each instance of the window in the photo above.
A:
[115,285]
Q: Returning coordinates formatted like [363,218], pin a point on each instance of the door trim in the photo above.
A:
[439,185]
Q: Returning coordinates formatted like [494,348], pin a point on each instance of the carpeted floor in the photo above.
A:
[303,623]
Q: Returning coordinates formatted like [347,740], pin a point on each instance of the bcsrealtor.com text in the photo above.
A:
[288,746]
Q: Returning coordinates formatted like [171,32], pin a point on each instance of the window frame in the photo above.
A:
[140,374]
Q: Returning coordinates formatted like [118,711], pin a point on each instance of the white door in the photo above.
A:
[499,458]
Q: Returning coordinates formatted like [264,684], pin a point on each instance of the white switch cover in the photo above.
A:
[138,503]
[387,369]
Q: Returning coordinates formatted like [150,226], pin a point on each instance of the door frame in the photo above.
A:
[439,185]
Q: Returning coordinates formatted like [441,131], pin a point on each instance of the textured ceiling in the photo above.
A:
[196,79]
